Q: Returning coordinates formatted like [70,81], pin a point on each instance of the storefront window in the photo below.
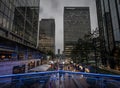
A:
[31,65]
[19,69]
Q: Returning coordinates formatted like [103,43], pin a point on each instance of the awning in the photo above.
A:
[8,50]
[40,68]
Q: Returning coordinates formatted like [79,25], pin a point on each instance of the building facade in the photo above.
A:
[47,35]
[108,12]
[18,30]
[76,25]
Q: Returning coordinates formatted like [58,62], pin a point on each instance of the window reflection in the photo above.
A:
[4,22]
[1,16]
[20,17]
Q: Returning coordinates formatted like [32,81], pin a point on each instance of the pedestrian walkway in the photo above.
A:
[64,81]
[81,82]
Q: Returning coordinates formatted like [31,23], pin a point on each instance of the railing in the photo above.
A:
[41,79]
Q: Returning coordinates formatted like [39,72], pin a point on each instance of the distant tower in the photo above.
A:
[58,51]
[76,25]
[47,35]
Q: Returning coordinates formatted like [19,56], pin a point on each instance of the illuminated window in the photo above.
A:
[3,56]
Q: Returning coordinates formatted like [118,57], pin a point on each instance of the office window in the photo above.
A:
[6,11]
[10,25]
[7,23]
[4,21]
[1,16]
[1,7]
[7,3]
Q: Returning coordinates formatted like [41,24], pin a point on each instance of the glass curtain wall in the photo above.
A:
[20,17]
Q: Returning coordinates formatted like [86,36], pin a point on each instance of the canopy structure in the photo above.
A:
[40,68]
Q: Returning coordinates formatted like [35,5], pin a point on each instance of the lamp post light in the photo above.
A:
[95,37]
[94,43]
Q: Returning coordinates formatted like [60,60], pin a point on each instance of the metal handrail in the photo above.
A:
[63,72]
[100,80]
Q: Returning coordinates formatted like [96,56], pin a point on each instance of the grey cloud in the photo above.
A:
[55,9]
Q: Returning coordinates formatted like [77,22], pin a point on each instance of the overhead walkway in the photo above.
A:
[59,79]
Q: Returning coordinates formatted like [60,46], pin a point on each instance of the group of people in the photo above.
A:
[83,68]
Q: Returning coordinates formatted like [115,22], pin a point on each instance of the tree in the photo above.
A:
[82,49]
[50,53]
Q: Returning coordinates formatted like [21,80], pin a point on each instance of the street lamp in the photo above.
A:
[94,46]
[95,36]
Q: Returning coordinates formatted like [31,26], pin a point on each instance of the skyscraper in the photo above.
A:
[76,25]
[18,31]
[47,35]
[108,12]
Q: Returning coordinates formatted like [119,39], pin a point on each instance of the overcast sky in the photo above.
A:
[54,9]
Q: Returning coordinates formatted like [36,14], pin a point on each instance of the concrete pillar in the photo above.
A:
[26,54]
[26,67]
[35,63]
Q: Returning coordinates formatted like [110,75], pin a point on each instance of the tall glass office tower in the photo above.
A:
[76,25]
[108,12]
[47,35]
[18,29]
